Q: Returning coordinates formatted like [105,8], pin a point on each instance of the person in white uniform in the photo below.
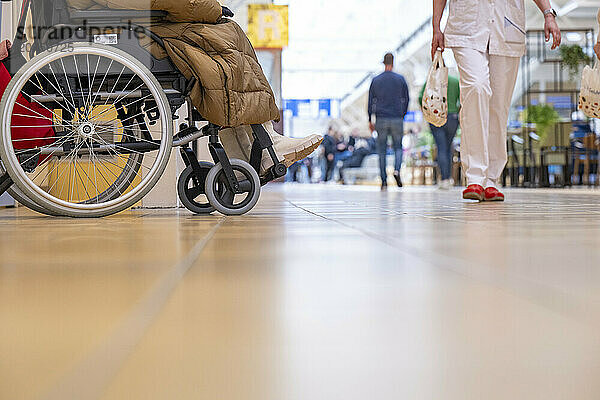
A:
[597,45]
[488,40]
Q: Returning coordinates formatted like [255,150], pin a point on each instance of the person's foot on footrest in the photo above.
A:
[290,150]
[473,192]
[238,144]
[493,194]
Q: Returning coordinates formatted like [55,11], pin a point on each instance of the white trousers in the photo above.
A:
[487,83]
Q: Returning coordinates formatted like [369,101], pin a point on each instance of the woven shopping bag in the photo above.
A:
[589,97]
[435,96]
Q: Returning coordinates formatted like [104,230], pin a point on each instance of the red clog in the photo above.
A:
[493,194]
[473,192]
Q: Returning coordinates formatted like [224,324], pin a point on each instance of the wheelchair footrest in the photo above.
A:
[186,136]
[275,172]
[262,142]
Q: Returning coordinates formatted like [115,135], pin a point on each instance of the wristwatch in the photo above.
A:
[550,11]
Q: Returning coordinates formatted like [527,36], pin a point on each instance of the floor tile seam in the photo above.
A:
[395,212]
[522,288]
[91,376]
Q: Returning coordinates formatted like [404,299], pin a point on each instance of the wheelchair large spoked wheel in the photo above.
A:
[223,198]
[108,131]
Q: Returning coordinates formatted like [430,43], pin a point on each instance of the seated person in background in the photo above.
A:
[343,150]
[356,159]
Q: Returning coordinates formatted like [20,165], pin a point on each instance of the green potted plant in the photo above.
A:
[544,116]
[573,58]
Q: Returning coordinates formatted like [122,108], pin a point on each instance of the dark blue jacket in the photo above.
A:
[388,96]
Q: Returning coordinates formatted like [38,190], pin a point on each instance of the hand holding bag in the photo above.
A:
[589,97]
[435,96]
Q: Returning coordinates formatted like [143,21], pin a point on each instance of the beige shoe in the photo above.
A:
[291,150]
[238,144]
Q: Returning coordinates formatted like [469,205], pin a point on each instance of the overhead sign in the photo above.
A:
[268,26]
[312,108]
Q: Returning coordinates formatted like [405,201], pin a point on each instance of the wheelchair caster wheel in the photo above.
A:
[190,188]
[223,198]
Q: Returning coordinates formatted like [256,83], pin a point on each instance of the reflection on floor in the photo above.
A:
[321,293]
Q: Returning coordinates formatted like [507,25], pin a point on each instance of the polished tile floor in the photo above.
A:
[321,293]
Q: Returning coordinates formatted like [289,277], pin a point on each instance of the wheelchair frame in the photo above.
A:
[90,26]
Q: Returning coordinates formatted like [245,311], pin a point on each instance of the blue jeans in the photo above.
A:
[444,136]
[385,128]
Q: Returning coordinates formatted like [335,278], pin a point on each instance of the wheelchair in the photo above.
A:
[102,110]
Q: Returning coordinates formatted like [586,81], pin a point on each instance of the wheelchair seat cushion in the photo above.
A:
[207,11]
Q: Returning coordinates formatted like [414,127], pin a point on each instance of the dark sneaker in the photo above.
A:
[397,178]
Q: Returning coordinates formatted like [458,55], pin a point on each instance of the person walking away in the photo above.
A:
[488,40]
[444,135]
[597,45]
[388,102]
[329,149]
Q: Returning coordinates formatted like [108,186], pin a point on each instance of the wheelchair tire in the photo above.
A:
[223,198]
[16,194]
[128,186]
[190,187]
[22,199]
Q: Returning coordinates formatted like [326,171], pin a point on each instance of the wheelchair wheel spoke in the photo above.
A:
[32,116]
[107,130]
[122,96]
[46,161]
[101,141]
[35,154]
[46,108]
[81,180]
[89,93]
[93,156]
[42,116]
[83,100]
[72,103]
[67,102]
[69,86]
[116,83]
[31,126]
[126,105]
[103,80]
